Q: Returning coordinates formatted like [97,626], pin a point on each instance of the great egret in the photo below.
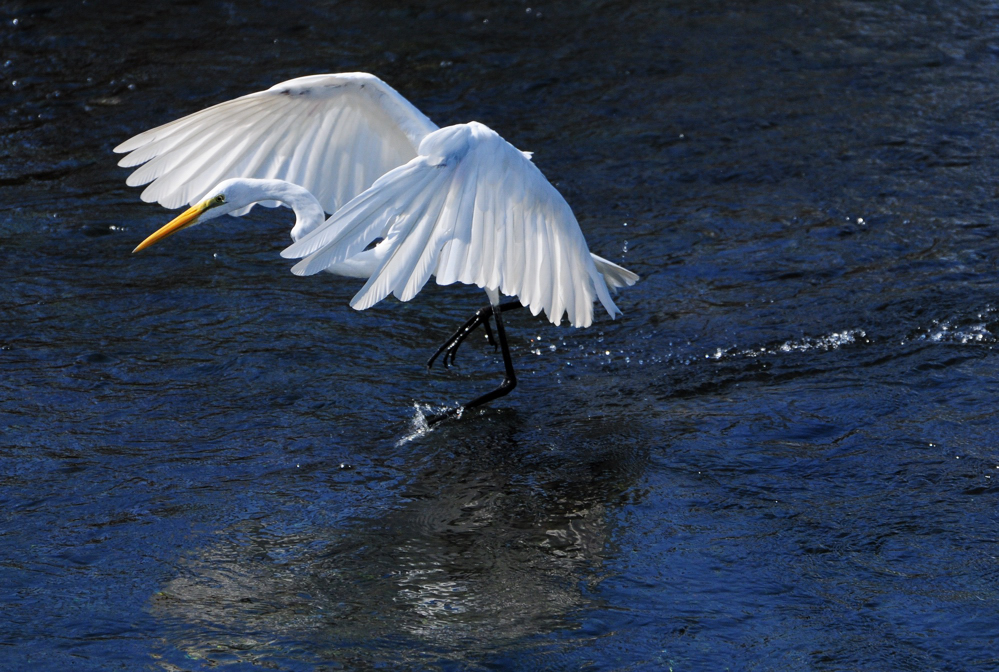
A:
[458,202]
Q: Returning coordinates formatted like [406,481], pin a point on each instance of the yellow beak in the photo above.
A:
[186,219]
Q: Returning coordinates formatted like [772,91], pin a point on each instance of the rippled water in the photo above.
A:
[783,457]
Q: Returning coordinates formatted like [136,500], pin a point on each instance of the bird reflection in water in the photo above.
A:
[489,544]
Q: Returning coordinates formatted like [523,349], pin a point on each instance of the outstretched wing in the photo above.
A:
[331,134]
[470,208]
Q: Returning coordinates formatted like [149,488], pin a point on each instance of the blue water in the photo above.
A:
[782,457]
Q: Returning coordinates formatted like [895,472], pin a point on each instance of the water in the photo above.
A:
[783,457]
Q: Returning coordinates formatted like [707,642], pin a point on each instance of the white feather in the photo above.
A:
[470,208]
[331,134]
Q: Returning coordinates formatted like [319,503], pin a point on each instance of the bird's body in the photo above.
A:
[459,203]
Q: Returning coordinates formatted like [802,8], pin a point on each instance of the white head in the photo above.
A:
[226,197]
[236,194]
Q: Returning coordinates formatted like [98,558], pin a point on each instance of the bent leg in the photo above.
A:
[450,346]
[509,378]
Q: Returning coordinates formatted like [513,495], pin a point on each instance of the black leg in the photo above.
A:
[450,346]
[509,378]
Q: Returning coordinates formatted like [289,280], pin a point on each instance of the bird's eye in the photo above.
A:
[220,198]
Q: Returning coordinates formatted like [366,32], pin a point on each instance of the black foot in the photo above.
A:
[450,347]
[437,417]
[505,388]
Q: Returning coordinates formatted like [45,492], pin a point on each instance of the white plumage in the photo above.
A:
[469,208]
[332,134]
[459,203]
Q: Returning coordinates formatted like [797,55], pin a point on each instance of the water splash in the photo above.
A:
[832,341]
[954,332]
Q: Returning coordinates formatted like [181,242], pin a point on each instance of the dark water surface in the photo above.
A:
[783,457]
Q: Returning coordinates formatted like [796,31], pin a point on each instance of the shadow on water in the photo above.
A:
[493,540]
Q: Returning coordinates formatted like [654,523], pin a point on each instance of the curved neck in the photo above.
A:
[308,212]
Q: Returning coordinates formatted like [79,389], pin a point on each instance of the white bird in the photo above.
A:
[459,203]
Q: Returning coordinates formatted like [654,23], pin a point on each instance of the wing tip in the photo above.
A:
[134,181]
[129,145]
[301,268]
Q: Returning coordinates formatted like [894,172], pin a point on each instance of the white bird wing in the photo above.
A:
[470,208]
[331,134]
[615,276]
